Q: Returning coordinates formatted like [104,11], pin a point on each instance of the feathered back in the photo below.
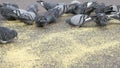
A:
[7,35]
[47,5]
[100,8]
[62,8]
[49,17]
[10,4]
[7,11]
[101,19]
[78,20]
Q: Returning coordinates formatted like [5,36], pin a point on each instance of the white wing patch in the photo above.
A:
[89,4]
[42,3]
[88,19]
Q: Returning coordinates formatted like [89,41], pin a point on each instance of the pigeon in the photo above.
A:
[116,12]
[47,5]
[27,16]
[50,16]
[47,18]
[115,8]
[72,8]
[79,20]
[62,9]
[102,8]
[6,10]
[101,19]
[7,35]
[85,8]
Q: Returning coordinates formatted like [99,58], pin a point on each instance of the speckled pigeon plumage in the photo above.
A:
[47,5]
[7,35]
[6,10]
[50,16]
[79,20]
[27,16]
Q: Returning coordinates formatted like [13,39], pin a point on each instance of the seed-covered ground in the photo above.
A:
[59,45]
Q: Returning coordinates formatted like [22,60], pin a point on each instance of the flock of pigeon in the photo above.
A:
[83,13]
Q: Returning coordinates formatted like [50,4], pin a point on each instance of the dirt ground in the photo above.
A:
[59,45]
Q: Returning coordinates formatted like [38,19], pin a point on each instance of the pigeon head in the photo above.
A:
[101,19]
[115,8]
[69,22]
[41,21]
[108,10]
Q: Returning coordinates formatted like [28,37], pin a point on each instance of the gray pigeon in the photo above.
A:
[101,19]
[116,12]
[72,6]
[102,8]
[85,8]
[6,10]
[7,35]
[79,20]
[47,5]
[27,16]
[50,16]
